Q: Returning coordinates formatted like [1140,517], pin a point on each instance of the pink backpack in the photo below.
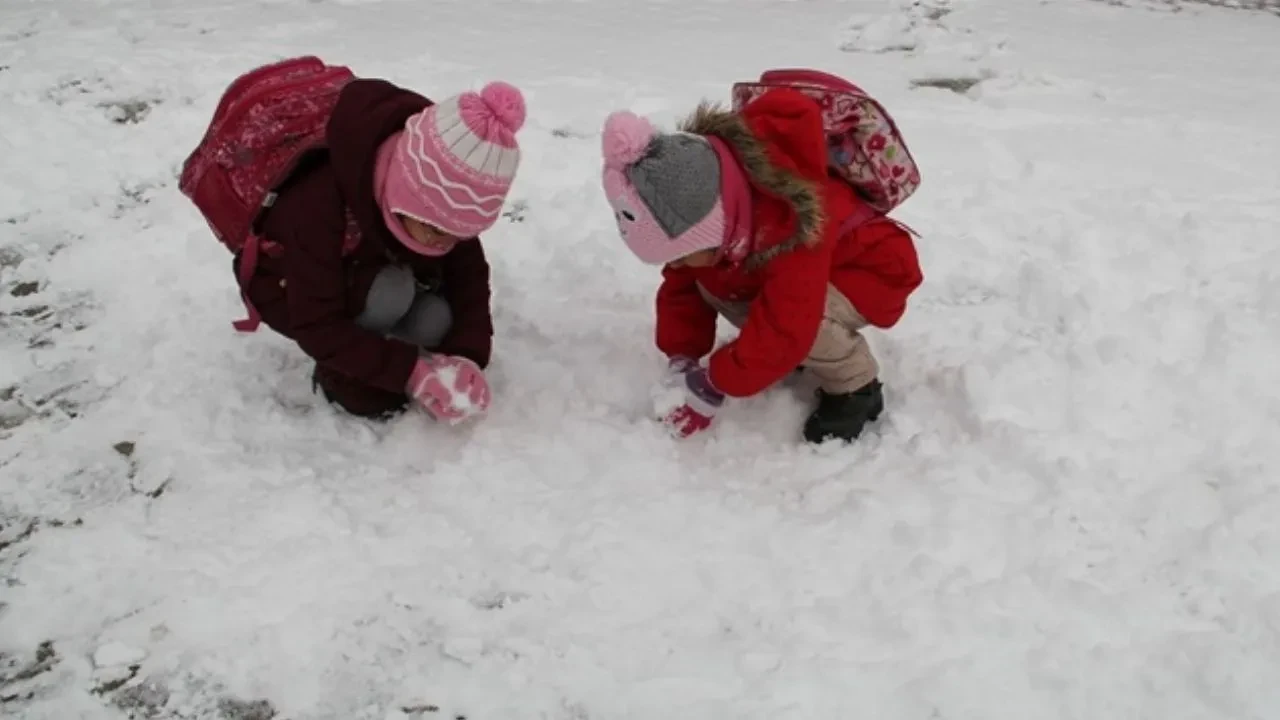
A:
[267,120]
[863,143]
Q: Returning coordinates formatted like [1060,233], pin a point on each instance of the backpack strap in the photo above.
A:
[248,264]
[866,214]
[861,215]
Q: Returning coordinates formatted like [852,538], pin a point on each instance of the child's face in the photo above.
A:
[428,235]
[702,258]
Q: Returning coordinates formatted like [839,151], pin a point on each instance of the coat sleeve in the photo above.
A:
[467,290]
[781,325]
[686,324]
[309,222]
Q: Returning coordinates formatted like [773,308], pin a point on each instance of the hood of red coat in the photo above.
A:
[367,113]
[779,141]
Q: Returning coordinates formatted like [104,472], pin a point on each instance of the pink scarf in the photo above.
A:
[735,195]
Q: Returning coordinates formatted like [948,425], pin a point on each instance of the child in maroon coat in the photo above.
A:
[405,316]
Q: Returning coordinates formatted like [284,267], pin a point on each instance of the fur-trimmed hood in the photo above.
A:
[779,142]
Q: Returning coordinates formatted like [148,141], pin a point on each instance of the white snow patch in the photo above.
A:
[1068,509]
[666,398]
[113,654]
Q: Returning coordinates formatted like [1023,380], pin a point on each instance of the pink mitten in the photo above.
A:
[451,388]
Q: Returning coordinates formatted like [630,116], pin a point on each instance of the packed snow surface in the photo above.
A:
[1069,509]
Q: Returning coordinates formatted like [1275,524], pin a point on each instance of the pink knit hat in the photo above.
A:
[453,165]
[673,194]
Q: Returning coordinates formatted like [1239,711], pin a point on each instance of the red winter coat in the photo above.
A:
[312,293]
[797,210]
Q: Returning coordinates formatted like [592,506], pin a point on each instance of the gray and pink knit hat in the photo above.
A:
[672,194]
[454,163]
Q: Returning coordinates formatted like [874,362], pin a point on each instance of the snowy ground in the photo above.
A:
[1069,511]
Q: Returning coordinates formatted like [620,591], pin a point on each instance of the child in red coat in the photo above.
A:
[741,212]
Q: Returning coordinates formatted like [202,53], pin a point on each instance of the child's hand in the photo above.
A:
[450,388]
[679,365]
[702,400]
[669,393]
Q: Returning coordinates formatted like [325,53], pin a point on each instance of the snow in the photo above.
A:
[667,396]
[113,653]
[1067,511]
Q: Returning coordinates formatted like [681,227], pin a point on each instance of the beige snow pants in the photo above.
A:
[840,358]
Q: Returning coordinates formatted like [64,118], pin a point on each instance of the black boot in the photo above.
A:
[841,417]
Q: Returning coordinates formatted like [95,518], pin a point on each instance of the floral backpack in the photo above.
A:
[863,143]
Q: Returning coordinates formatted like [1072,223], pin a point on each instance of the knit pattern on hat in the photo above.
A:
[392,190]
[678,180]
[456,160]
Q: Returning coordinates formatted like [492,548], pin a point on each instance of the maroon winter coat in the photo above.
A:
[312,294]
